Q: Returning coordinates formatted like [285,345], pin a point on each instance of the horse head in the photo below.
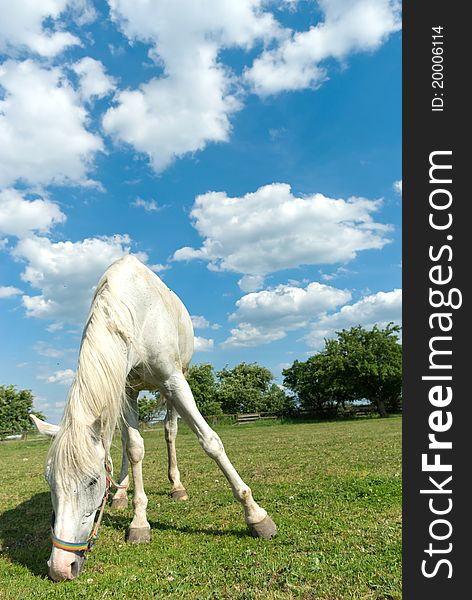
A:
[76,495]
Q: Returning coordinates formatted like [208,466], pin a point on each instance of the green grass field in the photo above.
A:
[334,490]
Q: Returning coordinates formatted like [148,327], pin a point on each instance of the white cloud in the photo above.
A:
[349,26]
[168,118]
[20,216]
[64,377]
[9,291]
[249,335]
[93,81]
[398,186]
[199,322]
[148,205]
[192,104]
[230,23]
[251,283]
[83,12]
[267,315]
[22,26]
[340,272]
[287,305]
[159,268]
[45,349]
[43,135]
[271,229]
[203,344]
[66,274]
[54,327]
[380,308]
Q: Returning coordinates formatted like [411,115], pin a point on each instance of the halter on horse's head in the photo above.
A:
[81,547]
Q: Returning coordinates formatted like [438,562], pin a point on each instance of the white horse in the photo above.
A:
[138,336]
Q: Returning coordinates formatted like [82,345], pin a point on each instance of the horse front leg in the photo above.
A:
[178,492]
[120,498]
[180,395]
[139,529]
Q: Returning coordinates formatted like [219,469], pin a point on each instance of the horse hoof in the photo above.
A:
[119,502]
[138,535]
[265,529]
[180,495]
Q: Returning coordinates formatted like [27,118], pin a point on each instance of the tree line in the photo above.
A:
[358,365]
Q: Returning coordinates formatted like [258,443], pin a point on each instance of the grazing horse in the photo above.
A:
[138,336]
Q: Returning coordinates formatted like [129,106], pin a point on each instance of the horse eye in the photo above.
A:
[92,482]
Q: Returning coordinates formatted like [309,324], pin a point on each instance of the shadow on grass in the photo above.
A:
[24,533]
[121,522]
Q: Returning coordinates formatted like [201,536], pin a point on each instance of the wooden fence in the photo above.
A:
[251,417]
[362,410]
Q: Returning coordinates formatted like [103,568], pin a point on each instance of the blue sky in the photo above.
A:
[248,151]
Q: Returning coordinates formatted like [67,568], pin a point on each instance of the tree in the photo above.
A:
[358,364]
[371,363]
[312,384]
[148,406]
[248,388]
[202,381]
[318,383]
[15,408]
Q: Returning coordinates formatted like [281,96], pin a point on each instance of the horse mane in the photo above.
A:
[97,396]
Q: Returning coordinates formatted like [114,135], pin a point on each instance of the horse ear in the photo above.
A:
[44,427]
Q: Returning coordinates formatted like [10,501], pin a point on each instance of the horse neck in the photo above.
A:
[99,388]
[97,396]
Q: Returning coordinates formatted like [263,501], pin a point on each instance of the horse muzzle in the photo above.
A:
[64,565]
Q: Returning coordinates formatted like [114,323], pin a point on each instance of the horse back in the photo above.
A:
[162,325]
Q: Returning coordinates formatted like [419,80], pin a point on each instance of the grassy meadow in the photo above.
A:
[333,489]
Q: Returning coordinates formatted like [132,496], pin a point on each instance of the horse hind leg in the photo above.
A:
[178,392]
[178,492]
